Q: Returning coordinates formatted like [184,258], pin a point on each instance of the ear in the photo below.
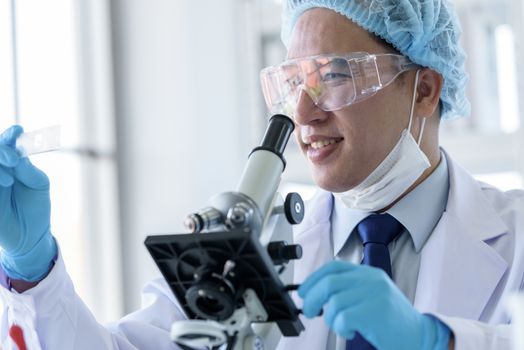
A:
[428,92]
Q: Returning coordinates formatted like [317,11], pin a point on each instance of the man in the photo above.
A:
[367,110]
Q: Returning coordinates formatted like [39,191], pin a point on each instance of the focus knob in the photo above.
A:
[294,208]
[280,252]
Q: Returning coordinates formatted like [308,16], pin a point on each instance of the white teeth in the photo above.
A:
[320,144]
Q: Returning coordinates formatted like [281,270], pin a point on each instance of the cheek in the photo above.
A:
[379,122]
[360,126]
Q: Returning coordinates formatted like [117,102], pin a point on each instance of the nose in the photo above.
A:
[306,111]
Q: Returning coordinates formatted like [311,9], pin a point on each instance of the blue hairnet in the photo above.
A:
[426,31]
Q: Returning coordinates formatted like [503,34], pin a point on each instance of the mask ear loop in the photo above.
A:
[413,98]
[423,122]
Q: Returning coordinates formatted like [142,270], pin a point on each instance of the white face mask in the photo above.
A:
[397,172]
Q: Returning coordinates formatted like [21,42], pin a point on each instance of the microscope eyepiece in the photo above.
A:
[277,136]
[277,133]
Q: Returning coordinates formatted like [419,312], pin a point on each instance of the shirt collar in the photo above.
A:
[429,197]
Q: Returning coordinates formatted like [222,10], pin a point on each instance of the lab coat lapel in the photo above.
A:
[313,234]
[458,270]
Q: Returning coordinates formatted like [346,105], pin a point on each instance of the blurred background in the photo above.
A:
[159,104]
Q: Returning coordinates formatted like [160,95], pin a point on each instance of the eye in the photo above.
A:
[335,71]
[292,83]
[334,76]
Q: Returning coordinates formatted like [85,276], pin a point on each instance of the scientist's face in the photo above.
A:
[355,139]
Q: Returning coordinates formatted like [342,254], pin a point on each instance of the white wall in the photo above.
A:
[182,117]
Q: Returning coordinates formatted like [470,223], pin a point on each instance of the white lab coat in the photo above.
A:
[471,262]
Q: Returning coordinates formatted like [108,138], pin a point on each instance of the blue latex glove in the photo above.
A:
[28,248]
[360,298]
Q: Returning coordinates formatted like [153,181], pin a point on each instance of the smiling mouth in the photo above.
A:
[324,143]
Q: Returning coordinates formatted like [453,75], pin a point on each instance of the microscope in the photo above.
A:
[231,274]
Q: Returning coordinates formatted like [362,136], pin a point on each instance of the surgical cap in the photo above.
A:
[426,31]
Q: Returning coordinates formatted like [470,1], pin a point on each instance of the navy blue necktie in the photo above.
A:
[376,232]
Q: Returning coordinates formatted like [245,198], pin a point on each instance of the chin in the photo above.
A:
[333,183]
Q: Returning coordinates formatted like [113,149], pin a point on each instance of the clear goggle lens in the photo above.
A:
[331,81]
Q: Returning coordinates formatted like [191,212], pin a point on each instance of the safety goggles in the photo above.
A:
[331,81]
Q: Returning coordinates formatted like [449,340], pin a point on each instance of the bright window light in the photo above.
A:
[507,79]
[7,112]
[48,93]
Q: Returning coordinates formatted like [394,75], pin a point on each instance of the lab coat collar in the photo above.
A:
[458,270]
[469,205]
